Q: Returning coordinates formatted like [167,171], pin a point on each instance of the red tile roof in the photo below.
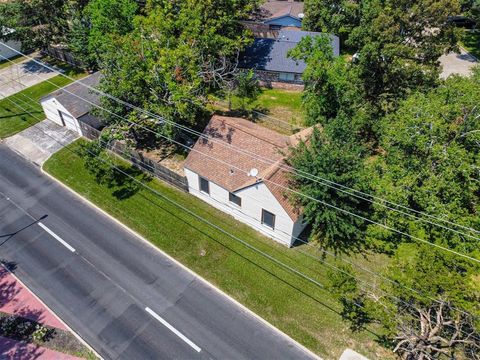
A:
[235,150]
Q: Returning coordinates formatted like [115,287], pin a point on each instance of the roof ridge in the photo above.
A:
[240,128]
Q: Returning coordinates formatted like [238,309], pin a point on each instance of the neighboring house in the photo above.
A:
[66,106]
[269,57]
[274,15]
[5,52]
[223,173]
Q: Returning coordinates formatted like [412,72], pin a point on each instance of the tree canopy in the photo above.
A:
[176,55]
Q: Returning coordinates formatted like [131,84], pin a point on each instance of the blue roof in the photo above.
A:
[271,54]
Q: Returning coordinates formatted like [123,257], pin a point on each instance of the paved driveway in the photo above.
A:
[39,142]
[454,63]
[22,75]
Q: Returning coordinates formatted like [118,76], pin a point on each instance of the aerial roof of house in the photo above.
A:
[238,147]
[71,96]
[274,9]
[271,54]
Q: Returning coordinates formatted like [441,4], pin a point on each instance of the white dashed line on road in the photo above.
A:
[172,329]
[63,242]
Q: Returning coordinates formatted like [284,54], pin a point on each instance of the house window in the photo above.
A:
[268,219]
[286,76]
[237,200]
[274,27]
[204,185]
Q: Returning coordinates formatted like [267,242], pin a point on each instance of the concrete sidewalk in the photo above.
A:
[19,76]
[39,142]
[454,63]
[17,300]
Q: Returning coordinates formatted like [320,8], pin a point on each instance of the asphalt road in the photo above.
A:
[125,299]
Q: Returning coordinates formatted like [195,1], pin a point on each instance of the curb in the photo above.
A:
[53,312]
[206,282]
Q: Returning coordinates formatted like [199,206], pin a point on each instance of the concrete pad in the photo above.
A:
[19,76]
[17,300]
[460,64]
[18,350]
[39,142]
[349,354]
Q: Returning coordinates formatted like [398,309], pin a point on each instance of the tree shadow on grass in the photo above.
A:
[125,180]
[272,274]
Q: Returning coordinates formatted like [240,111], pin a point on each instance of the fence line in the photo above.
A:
[138,160]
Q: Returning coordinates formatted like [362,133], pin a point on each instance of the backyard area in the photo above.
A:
[305,311]
[281,106]
[18,111]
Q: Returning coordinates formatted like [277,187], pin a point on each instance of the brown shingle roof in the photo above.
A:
[272,9]
[221,161]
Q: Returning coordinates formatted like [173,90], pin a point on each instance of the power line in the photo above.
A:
[218,228]
[336,186]
[279,185]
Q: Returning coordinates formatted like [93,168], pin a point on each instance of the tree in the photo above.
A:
[176,55]
[399,44]
[95,23]
[431,163]
[328,80]
[37,23]
[247,88]
[337,17]
[332,153]
[429,310]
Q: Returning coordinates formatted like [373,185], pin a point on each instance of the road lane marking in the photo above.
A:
[172,329]
[63,242]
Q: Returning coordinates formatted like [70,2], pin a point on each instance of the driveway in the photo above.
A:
[454,63]
[39,142]
[22,75]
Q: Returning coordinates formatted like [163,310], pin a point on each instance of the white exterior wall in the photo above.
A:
[254,198]
[51,107]
[8,53]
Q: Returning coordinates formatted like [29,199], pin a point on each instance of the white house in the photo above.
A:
[249,189]
[71,105]
[5,51]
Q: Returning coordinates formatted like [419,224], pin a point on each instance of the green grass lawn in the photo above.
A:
[306,312]
[471,42]
[7,63]
[14,119]
[282,104]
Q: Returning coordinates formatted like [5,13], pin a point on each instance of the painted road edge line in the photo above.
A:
[63,242]
[172,329]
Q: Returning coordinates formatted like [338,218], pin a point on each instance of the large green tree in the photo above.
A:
[429,162]
[329,80]
[177,54]
[337,17]
[96,23]
[37,23]
[399,44]
[332,155]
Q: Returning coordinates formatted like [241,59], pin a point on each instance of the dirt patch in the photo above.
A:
[167,155]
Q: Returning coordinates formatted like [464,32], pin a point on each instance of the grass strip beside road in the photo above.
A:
[16,59]
[297,307]
[14,119]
